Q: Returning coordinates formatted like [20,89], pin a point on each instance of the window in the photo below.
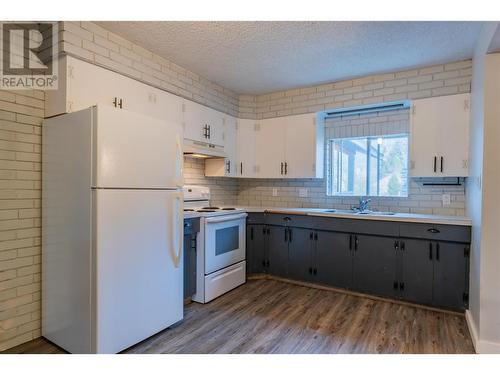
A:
[369,166]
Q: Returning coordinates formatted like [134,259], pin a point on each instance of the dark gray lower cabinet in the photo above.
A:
[333,259]
[374,265]
[191,228]
[277,243]
[431,270]
[256,248]
[417,269]
[451,284]
[300,254]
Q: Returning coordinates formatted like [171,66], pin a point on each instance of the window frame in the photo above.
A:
[369,139]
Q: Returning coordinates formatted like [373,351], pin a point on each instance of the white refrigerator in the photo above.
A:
[112,272]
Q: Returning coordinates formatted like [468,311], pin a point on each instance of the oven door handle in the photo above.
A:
[223,218]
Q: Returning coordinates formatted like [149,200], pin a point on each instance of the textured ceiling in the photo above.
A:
[260,57]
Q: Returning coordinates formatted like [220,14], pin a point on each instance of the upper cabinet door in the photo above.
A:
[195,124]
[230,144]
[300,146]
[215,122]
[440,136]
[270,148]
[246,148]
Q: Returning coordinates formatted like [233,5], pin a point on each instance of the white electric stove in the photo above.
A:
[220,260]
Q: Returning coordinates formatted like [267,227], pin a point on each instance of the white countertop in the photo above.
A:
[404,217]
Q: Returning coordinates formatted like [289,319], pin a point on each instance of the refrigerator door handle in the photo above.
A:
[179,162]
[177,229]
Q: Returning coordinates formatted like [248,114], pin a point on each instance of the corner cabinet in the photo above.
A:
[228,166]
[440,136]
[83,85]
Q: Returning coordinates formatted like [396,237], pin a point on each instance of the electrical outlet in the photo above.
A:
[303,193]
[275,192]
[446,199]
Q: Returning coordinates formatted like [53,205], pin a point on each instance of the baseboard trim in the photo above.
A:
[481,346]
[472,329]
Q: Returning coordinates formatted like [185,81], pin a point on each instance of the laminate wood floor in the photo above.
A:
[270,316]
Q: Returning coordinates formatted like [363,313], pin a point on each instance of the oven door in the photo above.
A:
[224,241]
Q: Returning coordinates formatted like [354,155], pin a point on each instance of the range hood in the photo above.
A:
[199,149]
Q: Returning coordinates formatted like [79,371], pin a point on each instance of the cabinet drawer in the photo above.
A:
[256,218]
[438,232]
[301,221]
[360,226]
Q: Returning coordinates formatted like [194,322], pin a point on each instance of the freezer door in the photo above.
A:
[139,265]
[132,150]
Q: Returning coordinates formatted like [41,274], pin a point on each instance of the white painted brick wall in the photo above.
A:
[21,114]
[437,80]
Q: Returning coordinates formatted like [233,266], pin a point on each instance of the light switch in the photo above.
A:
[275,192]
[303,192]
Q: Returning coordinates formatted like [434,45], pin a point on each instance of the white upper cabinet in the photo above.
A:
[301,146]
[83,85]
[270,148]
[287,147]
[227,166]
[203,124]
[246,148]
[440,136]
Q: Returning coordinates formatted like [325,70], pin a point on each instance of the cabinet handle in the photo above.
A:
[437,251]
[268,231]
[229,166]
[241,167]
[433,230]
[205,131]
[402,246]
[286,234]
[350,242]
[395,285]
[263,263]
[251,233]
[120,103]
[356,242]
[310,271]
[435,164]
[310,235]
[290,234]
[442,164]
[430,250]
[287,218]
[286,167]
[401,286]
[396,245]
[315,271]
[267,263]
[315,236]
[281,167]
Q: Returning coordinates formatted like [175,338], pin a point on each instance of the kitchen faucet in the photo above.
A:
[363,204]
